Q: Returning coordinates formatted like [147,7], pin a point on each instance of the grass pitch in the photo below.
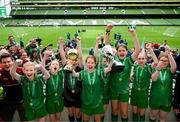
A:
[156,34]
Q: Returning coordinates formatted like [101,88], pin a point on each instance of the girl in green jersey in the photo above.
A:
[119,82]
[161,90]
[141,81]
[32,85]
[92,93]
[54,89]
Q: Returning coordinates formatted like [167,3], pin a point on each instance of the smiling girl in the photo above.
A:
[141,82]
[119,82]
[161,90]
[92,93]
[32,85]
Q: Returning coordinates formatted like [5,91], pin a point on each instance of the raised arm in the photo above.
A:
[61,51]
[46,55]
[136,44]
[80,59]
[172,62]
[155,75]
[98,39]
[155,60]
[13,69]
[43,70]
[107,35]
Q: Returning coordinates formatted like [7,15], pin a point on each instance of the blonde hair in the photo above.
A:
[29,63]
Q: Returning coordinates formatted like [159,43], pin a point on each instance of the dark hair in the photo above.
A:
[10,36]
[90,56]
[5,55]
[121,45]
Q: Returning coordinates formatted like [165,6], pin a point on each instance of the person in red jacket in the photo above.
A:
[12,91]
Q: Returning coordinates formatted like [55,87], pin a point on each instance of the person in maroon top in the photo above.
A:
[12,91]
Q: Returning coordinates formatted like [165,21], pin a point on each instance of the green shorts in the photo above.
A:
[54,106]
[106,100]
[155,106]
[33,114]
[120,97]
[93,111]
[139,98]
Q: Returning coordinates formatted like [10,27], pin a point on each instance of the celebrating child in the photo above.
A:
[161,90]
[141,82]
[32,85]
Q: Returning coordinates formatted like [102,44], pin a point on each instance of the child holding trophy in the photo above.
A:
[141,82]
[119,82]
[72,85]
[54,89]
[32,85]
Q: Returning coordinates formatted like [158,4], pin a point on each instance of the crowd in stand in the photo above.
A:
[39,83]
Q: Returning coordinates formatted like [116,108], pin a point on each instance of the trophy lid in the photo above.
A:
[72,54]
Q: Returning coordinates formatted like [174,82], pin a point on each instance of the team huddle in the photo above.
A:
[86,89]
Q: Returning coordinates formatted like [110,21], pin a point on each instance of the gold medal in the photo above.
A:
[31,104]
[55,94]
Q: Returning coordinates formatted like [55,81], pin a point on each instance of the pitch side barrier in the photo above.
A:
[95,16]
[99,3]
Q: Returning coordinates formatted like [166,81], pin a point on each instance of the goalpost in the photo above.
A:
[171,31]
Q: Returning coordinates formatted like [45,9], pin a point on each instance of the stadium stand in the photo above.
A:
[95,9]
[61,12]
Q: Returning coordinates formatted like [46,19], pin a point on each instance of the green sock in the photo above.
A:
[142,118]
[114,118]
[102,118]
[124,119]
[135,117]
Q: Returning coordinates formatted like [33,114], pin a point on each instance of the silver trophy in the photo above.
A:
[109,54]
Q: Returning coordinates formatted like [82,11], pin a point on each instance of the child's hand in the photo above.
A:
[148,46]
[160,65]
[78,39]
[47,54]
[18,62]
[60,41]
[98,39]
[109,27]
[38,67]
[167,50]
[132,31]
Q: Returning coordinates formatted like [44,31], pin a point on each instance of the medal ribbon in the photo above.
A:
[72,82]
[162,76]
[139,75]
[91,81]
[55,82]
[31,88]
